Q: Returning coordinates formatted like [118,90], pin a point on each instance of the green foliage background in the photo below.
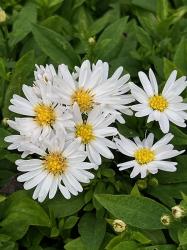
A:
[137,34]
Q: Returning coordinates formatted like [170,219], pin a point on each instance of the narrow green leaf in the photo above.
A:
[131,209]
[22,25]
[143,37]
[160,247]
[180,57]
[23,69]
[55,46]
[109,42]
[162,9]
[147,5]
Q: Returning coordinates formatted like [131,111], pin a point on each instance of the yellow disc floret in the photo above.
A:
[84,98]
[45,115]
[85,132]
[55,163]
[158,102]
[144,156]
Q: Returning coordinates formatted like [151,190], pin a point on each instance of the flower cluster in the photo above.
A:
[67,122]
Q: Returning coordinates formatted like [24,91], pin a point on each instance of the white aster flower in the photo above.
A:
[22,143]
[44,75]
[43,115]
[164,107]
[90,86]
[60,167]
[148,157]
[93,132]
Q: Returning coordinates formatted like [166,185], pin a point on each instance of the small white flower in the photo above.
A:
[93,132]
[60,166]
[165,220]
[44,116]
[178,212]
[164,107]
[90,86]
[148,157]
[3,15]
[119,226]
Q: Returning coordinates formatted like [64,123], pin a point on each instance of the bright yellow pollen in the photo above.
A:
[85,132]
[158,102]
[144,156]
[84,98]
[45,115]
[55,163]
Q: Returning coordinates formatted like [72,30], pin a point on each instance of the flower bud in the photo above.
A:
[91,40]
[165,220]
[119,226]
[5,121]
[142,184]
[177,212]
[153,182]
[3,16]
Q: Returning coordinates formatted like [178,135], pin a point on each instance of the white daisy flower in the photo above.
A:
[90,86]
[148,157]
[59,167]
[43,115]
[45,74]
[164,107]
[93,132]
[20,142]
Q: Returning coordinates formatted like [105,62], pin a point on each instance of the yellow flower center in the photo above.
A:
[144,156]
[45,115]
[84,98]
[158,102]
[85,132]
[55,163]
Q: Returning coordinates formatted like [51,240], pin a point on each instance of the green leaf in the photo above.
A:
[109,42]
[131,209]
[92,231]
[180,57]
[75,245]
[127,245]
[147,5]
[162,9]
[101,23]
[21,212]
[3,133]
[55,46]
[62,207]
[23,69]
[160,247]
[180,138]
[143,37]
[177,177]
[168,193]
[2,198]
[140,237]
[183,238]
[70,222]
[22,25]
